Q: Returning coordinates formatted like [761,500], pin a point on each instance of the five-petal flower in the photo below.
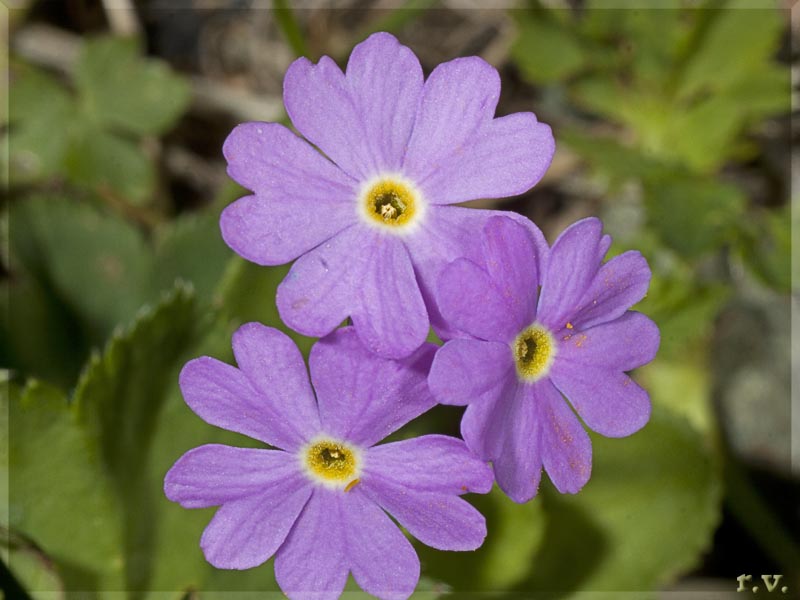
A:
[318,502]
[520,349]
[370,222]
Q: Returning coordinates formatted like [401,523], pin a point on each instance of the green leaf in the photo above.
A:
[58,497]
[32,568]
[96,263]
[34,94]
[41,114]
[110,164]
[737,44]
[544,51]
[646,515]
[505,558]
[118,398]
[121,88]
[190,248]
[766,248]
[247,293]
[694,216]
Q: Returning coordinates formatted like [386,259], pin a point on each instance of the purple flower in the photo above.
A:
[518,354]
[370,220]
[318,503]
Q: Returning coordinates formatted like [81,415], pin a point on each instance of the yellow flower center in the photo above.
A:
[391,202]
[332,463]
[534,350]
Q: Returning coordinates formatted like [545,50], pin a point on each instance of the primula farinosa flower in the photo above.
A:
[370,220]
[521,349]
[318,503]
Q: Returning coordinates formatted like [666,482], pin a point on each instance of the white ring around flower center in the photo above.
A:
[332,463]
[392,203]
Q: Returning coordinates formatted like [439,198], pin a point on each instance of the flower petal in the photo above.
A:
[439,520]
[363,120]
[221,395]
[464,369]
[565,445]
[274,366]
[515,430]
[390,316]
[431,463]
[382,560]
[362,397]
[319,103]
[214,474]
[618,285]
[458,99]
[312,563]
[469,300]
[448,233]
[317,294]
[622,344]
[571,268]
[244,533]
[507,157]
[272,161]
[588,371]
[512,253]
[270,231]
[385,80]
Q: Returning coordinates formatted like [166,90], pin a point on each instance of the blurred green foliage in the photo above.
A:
[110,293]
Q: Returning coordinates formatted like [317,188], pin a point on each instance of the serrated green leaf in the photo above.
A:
[96,263]
[121,88]
[118,400]
[645,517]
[736,44]
[108,163]
[694,215]
[544,51]
[58,497]
[505,558]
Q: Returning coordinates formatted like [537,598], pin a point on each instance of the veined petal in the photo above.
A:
[382,560]
[619,284]
[361,120]
[363,397]
[390,316]
[311,562]
[458,99]
[469,301]
[244,533]
[571,268]
[272,161]
[463,370]
[439,520]
[515,427]
[506,157]
[622,344]
[565,446]
[385,80]
[222,395]
[274,366]
[214,474]
[318,293]
[431,463]
[274,231]
[589,372]
[447,234]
